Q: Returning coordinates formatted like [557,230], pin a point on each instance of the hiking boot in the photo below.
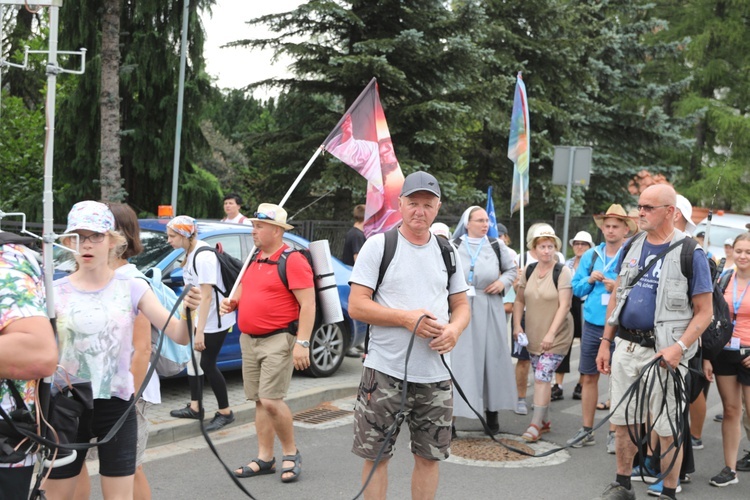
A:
[616,491]
[696,442]
[743,463]
[219,421]
[186,412]
[724,478]
[645,474]
[521,408]
[655,489]
[492,422]
[557,393]
[577,392]
[611,447]
[582,438]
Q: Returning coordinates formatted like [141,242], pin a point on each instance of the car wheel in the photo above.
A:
[327,349]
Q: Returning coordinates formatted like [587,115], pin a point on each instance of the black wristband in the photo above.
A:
[604,338]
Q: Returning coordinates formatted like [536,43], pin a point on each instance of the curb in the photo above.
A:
[179,429]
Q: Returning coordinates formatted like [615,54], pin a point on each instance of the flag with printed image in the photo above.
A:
[362,140]
[518,146]
[492,231]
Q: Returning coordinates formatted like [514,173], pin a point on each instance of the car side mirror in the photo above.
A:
[175,278]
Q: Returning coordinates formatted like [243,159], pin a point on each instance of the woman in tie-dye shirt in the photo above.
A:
[95,309]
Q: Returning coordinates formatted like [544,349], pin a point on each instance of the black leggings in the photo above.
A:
[209,356]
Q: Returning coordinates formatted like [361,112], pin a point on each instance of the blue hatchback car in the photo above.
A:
[328,344]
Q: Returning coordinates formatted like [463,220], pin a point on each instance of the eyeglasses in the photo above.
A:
[650,208]
[93,238]
[262,216]
[580,243]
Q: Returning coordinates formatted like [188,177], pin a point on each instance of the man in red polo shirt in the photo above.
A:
[276,323]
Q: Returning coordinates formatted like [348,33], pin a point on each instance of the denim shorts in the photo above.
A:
[117,457]
[590,342]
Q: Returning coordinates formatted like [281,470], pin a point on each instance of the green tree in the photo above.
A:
[715,48]
[21,157]
[422,55]
[149,48]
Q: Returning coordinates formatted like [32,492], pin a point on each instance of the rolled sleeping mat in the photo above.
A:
[325,283]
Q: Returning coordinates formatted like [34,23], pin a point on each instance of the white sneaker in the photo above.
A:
[581,439]
[611,443]
[521,408]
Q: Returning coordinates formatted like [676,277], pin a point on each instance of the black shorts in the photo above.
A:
[729,363]
[117,457]
[15,482]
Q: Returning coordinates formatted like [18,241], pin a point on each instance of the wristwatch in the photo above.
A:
[679,343]
[304,343]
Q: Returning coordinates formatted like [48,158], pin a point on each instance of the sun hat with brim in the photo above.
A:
[617,212]
[544,231]
[420,181]
[271,214]
[90,216]
[686,209]
[183,225]
[583,236]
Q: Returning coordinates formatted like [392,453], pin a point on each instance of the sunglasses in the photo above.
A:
[262,216]
[650,208]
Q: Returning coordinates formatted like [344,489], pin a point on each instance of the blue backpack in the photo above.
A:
[173,357]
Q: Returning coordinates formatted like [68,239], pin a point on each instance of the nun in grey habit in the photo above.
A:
[481,360]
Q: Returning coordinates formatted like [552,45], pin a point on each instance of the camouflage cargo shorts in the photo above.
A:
[428,412]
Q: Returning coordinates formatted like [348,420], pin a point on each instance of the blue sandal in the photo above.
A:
[296,470]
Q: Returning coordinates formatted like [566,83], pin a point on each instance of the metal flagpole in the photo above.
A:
[180,100]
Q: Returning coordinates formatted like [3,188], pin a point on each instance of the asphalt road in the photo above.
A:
[188,470]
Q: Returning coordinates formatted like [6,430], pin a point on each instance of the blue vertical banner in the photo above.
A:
[492,232]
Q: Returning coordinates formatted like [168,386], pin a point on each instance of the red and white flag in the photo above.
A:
[361,140]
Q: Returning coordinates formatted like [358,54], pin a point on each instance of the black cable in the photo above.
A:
[201,411]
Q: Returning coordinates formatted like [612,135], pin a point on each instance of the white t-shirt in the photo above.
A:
[152,392]
[238,219]
[415,279]
[209,273]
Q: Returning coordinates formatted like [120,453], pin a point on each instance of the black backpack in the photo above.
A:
[281,263]
[555,271]
[719,332]
[230,269]
[391,241]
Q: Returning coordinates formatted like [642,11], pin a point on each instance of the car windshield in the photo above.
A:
[155,248]
[719,234]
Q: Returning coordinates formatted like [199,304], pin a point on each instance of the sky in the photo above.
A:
[237,67]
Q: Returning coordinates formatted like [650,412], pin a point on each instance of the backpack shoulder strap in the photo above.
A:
[530,269]
[495,243]
[724,280]
[281,263]
[593,259]
[556,273]
[686,257]
[195,256]
[389,250]
[457,242]
[448,252]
